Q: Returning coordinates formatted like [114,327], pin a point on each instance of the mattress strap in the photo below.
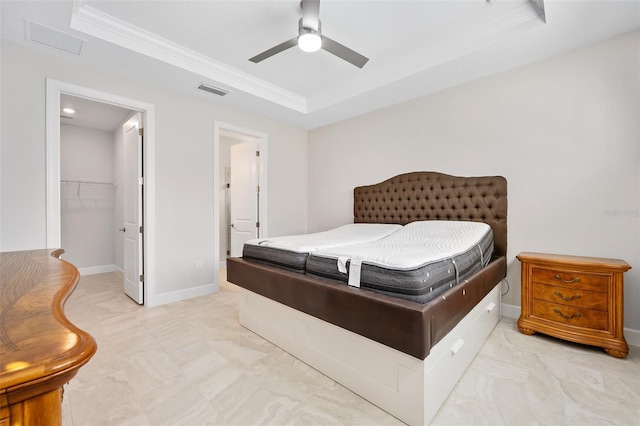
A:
[354,272]
[481,255]
[354,265]
[455,267]
[342,264]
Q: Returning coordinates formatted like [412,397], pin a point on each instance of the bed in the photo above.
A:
[401,355]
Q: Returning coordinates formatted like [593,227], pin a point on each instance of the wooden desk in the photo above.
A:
[40,350]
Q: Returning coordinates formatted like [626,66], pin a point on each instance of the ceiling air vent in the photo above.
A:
[52,38]
[213,89]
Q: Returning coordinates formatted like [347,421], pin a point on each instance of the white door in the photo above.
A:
[133,254]
[244,193]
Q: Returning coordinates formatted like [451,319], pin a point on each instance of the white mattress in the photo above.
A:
[291,251]
[417,262]
[413,246]
[354,233]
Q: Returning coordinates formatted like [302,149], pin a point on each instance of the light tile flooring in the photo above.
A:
[191,363]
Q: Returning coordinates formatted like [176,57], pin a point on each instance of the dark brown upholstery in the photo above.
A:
[409,327]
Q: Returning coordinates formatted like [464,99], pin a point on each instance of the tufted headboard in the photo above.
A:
[435,196]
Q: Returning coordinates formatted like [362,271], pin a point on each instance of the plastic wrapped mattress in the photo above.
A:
[417,262]
[291,252]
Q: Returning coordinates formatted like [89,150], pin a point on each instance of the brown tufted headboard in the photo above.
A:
[435,196]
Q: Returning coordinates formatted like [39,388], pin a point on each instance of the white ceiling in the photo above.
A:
[415,47]
[91,114]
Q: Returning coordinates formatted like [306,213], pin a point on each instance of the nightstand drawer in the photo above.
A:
[571,296]
[580,317]
[585,281]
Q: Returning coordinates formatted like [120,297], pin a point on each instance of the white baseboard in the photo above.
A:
[513,312]
[632,336]
[510,311]
[176,296]
[92,270]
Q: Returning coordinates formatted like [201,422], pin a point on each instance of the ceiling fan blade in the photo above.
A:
[277,49]
[311,14]
[343,52]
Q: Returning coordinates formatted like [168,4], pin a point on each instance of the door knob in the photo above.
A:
[232,225]
[123,229]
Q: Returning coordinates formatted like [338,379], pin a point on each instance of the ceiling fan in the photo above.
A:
[310,38]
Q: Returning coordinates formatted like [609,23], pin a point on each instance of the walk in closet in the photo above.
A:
[91,163]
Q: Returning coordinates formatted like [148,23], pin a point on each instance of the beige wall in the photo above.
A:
[564,132]
[184,165]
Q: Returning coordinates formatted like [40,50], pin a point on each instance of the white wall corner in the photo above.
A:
[633,337]
[510,311]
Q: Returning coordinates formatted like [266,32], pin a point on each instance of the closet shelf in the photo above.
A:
[81,182]
[86,194]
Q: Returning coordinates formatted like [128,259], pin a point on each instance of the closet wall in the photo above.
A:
[88,192]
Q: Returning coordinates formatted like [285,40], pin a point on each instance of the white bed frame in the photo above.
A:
[406,387]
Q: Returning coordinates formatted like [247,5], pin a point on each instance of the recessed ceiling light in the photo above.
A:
[69,110]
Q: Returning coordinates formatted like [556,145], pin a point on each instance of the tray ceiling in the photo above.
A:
[414,47]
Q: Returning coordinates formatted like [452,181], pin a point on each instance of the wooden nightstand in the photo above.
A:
[574,298]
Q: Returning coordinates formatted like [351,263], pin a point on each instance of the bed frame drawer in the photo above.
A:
[406,387]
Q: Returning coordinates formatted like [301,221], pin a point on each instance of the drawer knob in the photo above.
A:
[567,317]
[575,280]
[565,298]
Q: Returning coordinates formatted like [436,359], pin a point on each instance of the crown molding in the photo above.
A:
[108,28]
[509,23]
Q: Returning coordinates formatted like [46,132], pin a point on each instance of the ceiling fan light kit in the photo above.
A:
[310,39]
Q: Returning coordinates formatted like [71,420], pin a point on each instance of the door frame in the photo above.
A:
[263,143]
[52,151]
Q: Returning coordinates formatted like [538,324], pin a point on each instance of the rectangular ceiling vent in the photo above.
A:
[52,38]
[213,89]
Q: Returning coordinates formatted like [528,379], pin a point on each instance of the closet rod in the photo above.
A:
[87,182]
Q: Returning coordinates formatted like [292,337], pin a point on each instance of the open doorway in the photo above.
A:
[95,192]
[241,188]
[101,190]
[240,154]
[91,191]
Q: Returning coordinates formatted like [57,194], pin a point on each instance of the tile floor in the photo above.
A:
[191,363]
